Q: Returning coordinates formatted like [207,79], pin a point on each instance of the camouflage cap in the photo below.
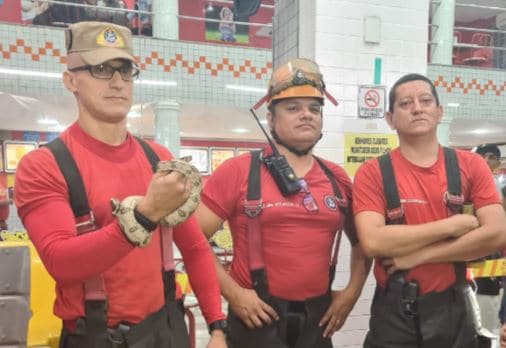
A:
[97,42]
[298,77]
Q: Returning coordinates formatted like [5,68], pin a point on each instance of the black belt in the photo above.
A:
[124,332]
[127,333]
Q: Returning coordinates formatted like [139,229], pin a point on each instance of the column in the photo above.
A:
[167,125]
[165,20]
[442,32]
[443,130]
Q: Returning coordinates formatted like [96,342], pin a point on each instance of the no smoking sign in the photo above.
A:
[371,101]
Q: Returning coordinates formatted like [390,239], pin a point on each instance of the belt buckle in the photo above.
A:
[409,307]
[118,335]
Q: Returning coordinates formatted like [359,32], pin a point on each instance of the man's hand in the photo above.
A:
[394,264]
[217,340]
[251,309]
[341,305]
[166,192]
[462,223]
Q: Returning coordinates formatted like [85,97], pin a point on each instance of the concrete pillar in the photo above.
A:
[165,21]
[443,130]
[442,32]
[167,125]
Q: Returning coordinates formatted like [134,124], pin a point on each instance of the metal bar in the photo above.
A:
[471,46]
[481,6]
[114,9]
[221,21]
[480,30]
[231,2]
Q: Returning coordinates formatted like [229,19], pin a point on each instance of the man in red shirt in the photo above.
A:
[278,288]
[111,162]
[419,300]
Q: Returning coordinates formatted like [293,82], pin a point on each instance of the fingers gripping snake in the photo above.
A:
[124,210]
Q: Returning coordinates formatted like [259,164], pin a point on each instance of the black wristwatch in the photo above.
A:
[144,221]
[218,325]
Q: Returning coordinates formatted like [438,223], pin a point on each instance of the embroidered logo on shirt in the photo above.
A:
[330,202]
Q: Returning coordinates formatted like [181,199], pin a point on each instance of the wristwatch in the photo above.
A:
[218,325]
[144,221]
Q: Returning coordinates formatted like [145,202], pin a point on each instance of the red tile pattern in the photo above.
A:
[154,59]
[484,87]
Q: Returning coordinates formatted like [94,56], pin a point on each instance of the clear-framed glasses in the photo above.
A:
[308,200]
[128,72]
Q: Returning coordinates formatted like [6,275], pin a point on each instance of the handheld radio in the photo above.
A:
[278,166]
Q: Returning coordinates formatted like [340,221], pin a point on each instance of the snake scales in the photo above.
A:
[124,210]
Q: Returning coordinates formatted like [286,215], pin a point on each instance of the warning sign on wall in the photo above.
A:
[358,148]
[371,101]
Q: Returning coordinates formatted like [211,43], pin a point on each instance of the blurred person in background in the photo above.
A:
[488,289]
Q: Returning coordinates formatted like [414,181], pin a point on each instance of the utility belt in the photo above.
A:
[297,326]
[122,335]
[407,293]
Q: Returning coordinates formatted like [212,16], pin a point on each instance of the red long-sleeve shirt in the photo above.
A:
[132,276]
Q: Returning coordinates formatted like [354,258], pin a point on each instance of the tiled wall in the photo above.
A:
[348,62]
[200,71]
[467,93]
[285,25]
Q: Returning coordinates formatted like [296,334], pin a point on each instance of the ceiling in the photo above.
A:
[221,122]
[196,121]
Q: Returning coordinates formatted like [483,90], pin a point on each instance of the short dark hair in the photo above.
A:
[503,189]
[488,148]
[409,78]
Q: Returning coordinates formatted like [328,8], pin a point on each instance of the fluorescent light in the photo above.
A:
[48,121]
[246,88]
[240,130]
[480,131]
[156,83]
[30,73]
[453,105]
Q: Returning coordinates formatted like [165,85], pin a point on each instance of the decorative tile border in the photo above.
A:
[458,83]
[153,59]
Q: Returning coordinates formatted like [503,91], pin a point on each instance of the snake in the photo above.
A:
[124,210]
[188,207]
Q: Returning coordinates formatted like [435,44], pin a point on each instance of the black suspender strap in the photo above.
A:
[341,202]
[343,207]
[253,208]
[454,200]
[150,154]
[95,297]
[453,197]
[77,194]
[395,213]
[168,273]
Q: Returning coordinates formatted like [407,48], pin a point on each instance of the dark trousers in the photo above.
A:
[445,321]
[297,326]
[164,329]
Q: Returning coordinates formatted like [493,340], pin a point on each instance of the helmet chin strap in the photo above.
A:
[298,153]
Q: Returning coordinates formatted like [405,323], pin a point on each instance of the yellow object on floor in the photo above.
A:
[44,327]
[487,268]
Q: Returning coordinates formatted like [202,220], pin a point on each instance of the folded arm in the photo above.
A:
[381,240]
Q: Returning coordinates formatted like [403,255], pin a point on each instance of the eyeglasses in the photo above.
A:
[106,72]
[308,200]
